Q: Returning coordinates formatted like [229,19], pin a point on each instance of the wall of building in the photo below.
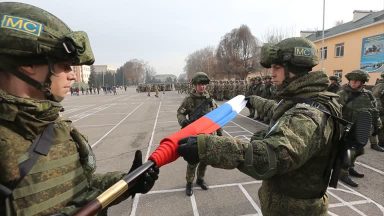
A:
[352,52]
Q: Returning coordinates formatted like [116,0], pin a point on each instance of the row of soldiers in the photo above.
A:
[142,87]
[225,90]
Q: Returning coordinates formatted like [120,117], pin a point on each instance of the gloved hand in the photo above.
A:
[145,181]
[248,99]
[188,149]
[219,132]
[184,123]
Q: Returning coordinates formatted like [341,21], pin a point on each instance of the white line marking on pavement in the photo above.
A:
[245,192]
[134,205]
[198,188]
[332,214]
[85,114]
[194,206]
[165,122]
[153,133]
[369,167]
[359,202]
[98,141]
[361,195]
[251,119]
[79,126]
[136,199]
[242,127]
[347,204]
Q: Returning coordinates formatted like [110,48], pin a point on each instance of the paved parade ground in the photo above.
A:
[118,125]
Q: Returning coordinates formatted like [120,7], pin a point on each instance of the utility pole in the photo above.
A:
[322,40]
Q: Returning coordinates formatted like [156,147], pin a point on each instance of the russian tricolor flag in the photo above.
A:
[209,123]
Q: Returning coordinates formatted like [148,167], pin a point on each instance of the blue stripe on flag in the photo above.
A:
[222,112]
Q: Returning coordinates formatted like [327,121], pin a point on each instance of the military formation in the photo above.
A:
[313,139]
[142,87]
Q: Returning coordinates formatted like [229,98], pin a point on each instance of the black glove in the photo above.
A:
[184,123]
[219,132]
[188,149]
[248,105]
[145,181]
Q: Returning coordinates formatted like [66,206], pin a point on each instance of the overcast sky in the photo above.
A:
[164,32]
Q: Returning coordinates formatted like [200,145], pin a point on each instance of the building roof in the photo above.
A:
[370,18]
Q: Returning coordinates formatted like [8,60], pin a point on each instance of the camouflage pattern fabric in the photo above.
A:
[353,102]
[294,155]
[186,109]
[56,179]
[378,93]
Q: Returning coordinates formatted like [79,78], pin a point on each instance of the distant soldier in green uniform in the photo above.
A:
[356,99]
[156,87]
[194,106]
[378,93]
[294,155]
[249,93]
[46,165]
[334,85]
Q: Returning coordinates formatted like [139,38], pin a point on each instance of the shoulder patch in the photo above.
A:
[21,24]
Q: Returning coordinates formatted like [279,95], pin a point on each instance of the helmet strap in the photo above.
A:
[45,87]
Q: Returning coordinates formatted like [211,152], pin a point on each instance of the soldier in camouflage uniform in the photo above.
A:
[47,166]
[334,85]
[356,99]
[378,93]
[197,104]
[293,157]
[249,93]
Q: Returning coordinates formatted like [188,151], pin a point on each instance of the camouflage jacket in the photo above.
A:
[193,101]
[57,179]
[378,93]
[355,101]
[294,156]
[189,105]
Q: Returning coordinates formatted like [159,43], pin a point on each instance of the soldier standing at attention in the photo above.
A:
[355,99]
[334,85]
[293,158]
[46,165]
[194,106]
[378,93]
[156,86]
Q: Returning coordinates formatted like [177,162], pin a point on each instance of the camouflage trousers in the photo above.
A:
[191,169]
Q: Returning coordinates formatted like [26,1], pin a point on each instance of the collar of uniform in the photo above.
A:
[30,116]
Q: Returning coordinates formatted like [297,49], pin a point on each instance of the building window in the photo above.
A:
[339,50]
[323,54]
[338,73]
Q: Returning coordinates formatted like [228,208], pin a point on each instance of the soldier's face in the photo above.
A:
[355,84]
[200,88]
[278,74]
[62,79]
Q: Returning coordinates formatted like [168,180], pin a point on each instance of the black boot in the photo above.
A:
[202,184]
[354,173]
[348,181]
[377,148]
[188,189]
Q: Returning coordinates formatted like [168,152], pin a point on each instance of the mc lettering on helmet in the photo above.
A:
[21,24]
[303,51]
